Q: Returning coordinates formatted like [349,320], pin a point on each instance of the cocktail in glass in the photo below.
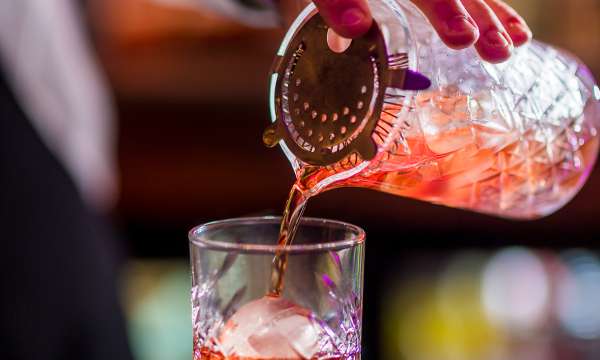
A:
[316,316]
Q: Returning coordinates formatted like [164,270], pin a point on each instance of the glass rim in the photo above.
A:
[196,237]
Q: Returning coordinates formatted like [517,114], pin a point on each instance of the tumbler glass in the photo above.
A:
[318,315]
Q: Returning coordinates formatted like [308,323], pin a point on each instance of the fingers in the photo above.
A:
[494,44]
[456,27]
[349,18]
[515,25]
[491,25]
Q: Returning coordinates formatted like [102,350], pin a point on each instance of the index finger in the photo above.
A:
[348,18]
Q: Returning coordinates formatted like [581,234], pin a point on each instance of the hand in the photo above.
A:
[492,26]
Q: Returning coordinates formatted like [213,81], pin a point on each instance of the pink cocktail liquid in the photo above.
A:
[204,353]
[486,166]
[270,328]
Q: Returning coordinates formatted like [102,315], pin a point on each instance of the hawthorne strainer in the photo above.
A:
[328,92]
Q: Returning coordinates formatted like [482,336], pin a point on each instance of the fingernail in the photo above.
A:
[497,39]
[460,24]
[517,26]
[516,23]
[352,16]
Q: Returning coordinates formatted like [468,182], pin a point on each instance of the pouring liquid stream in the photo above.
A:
[294,208]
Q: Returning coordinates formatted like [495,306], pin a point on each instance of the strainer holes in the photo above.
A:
[295,97]
[360,105]
[306,105]
[343,130]
[313,114]
[302,124]
[334,117]
[309,133]
[331,136]
[320,138]
[353,119]
[298,82]
[296,111]
[346,110]
[363,89]
[323,117]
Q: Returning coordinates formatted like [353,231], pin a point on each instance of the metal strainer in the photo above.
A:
[327,103]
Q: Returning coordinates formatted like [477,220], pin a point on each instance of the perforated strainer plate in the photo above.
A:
[327,103]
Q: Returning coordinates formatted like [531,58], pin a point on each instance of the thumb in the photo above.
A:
[348,18]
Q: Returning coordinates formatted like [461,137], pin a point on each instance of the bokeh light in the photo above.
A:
[442,317]
[579,295]
[515,289]
[513,303]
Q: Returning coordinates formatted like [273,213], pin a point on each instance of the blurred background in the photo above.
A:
[191,91]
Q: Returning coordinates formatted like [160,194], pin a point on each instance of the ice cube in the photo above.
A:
[445,120]
[271,328]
